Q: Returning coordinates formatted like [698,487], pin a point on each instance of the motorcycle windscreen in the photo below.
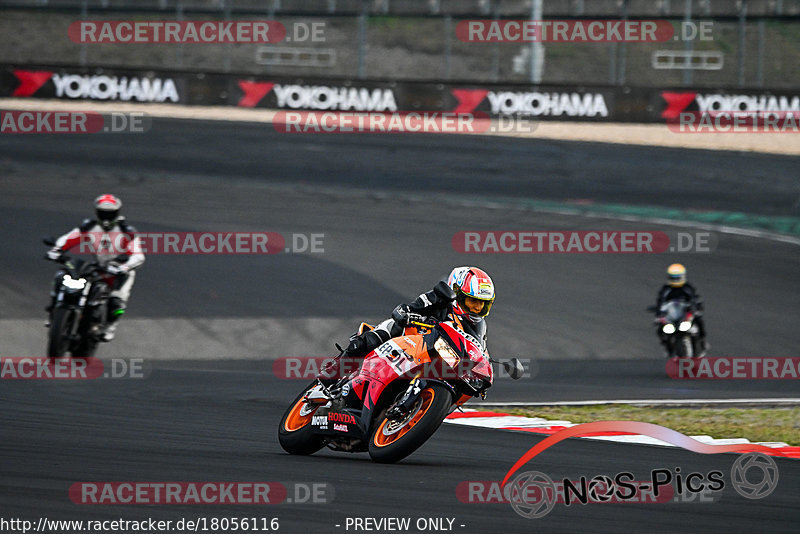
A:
[675,310]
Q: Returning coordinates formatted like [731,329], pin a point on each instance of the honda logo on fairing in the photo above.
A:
[341,418]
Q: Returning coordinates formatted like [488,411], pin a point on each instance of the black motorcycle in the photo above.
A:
[78,315]
[676,324]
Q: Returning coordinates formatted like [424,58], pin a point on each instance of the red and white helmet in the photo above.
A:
[107,208]
[472,283]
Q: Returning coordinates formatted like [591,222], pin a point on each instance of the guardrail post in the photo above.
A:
[362,40]
[179,48]
[495,46]
[537,49]
[760,63]
[742,23]
[226,58]
[688,45]
[623,48]
[82,59]
[448,47]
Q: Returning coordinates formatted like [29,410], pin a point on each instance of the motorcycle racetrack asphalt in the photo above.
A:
[209,327]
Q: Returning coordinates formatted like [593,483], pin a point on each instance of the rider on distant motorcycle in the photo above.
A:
[467,296]
[107,236]
[677,288]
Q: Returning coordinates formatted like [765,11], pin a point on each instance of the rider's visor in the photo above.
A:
[470,304]
[107,215]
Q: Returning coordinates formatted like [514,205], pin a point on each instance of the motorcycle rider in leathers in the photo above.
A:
[677,288]
[467,295]
[108,237]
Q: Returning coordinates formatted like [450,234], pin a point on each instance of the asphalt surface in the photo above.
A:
[201,423]
[579,318]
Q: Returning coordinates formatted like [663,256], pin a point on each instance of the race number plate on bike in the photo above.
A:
[396,356]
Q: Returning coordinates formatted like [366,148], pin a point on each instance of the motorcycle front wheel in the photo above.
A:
[295,433]
[60,327]
[393,440]
[87,344]
[684,348]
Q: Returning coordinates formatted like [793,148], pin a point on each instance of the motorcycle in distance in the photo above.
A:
[78,316]
[397,397]
[676,324]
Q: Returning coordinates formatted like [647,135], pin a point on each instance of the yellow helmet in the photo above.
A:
[676,275]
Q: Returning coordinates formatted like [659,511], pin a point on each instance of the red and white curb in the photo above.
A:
[538,425]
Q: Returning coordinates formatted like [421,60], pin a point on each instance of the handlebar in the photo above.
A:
[421,324]
[64,259]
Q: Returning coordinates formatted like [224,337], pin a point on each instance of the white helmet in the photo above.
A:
[107,208]
[470,285]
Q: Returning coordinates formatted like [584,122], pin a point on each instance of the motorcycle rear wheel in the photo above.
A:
[393,440]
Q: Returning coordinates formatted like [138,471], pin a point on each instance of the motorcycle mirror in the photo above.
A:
[49,240]
[514,368]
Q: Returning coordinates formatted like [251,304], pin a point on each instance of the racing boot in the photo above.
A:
[109,332]
[116,308]
[348,360]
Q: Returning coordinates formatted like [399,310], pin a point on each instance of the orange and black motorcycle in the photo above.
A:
[396,398]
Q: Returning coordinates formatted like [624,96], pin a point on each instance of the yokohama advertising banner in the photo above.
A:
[540,102]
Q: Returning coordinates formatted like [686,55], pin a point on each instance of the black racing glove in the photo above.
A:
[400,315]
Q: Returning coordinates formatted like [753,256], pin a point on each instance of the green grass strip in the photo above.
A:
[755,424]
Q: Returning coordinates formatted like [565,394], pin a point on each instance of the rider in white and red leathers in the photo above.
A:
[116,248]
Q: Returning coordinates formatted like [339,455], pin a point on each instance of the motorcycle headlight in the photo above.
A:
[74,283]
[685,326]
[446,352]
[668,328]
